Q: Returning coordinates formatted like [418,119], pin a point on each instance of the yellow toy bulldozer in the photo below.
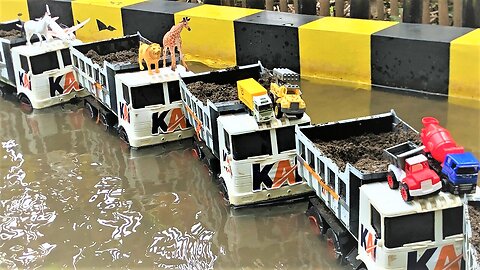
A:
[285,94]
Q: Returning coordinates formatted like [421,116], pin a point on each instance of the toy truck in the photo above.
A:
[409,168]
[144,109]
[255,161]
[255,97]
[285,93]
[458,169]
[366,224]
[42,74]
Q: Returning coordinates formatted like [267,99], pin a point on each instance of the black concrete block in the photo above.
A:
[152,19]
[271,37]
[413,56]
[58,8]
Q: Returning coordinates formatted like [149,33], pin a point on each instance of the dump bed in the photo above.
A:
[397,154]
[203,115]
[7,43]
[337,183]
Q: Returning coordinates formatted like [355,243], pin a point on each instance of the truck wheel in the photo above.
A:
[316,222]
[278,111]
[123,135]
[392,180]
[444,180]
[25,103]
[333,245]
[404,191]
[299,115]
[197,151]
[91,111]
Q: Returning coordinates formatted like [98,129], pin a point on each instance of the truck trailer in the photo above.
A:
[366,224]
[144,109]
[255,161]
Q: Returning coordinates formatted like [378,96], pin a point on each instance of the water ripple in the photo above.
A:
[183,250]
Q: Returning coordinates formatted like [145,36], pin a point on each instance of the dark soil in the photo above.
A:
[365,152]
[12,34]
[474,213]
[125,56]
[265,79]
[213,92]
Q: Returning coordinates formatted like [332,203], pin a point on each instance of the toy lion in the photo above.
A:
[150,54]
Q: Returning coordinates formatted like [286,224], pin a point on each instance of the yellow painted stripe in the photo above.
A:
[338,48]
[465,66]
[9,10]
[320,181]
[107,12]
[212,38]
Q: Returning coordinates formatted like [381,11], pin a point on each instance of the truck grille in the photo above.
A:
[294,106]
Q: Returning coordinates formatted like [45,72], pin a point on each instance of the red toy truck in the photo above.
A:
[409,169]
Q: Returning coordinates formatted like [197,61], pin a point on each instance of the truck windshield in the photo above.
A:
[262,108]
[147,95]
[44,62]
[251,144]
[409,229]
[467,170]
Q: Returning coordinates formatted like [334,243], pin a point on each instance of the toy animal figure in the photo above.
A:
[172,39]
[65,34]
[150,54]
[39,27]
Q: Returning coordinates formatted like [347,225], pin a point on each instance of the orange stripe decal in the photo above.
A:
[199,123]
[320,181]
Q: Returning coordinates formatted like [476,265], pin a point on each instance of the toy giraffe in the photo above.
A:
[171,40]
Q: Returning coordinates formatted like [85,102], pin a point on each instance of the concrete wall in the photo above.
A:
[427,58]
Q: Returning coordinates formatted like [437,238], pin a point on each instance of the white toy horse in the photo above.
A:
[39,27]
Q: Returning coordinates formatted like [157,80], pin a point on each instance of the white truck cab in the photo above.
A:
[426,233]
[257,160]
[150,109]
[44,74]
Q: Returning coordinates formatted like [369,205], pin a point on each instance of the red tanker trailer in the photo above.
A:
[458,169]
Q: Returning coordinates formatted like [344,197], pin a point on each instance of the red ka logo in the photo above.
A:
[63,84]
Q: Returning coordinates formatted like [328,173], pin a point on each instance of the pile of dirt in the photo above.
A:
[266,79]
[213,92]
[474,213]
[365,152]
[125,56]
[12,34]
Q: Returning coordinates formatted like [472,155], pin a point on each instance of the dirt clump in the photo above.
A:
[266,78]
[213,92]
[365,152]
[124,56]
[12,34]
[474,213]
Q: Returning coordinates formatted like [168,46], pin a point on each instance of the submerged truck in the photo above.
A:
[144,109]
[458,169]
[366,224]
[255,161]
[41,75]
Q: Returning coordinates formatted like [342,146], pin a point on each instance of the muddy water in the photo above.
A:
[73,196]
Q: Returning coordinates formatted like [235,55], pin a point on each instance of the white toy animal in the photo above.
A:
[39,27]
[65,34]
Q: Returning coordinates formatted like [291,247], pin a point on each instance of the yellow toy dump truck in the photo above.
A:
[255,97]
[285,93]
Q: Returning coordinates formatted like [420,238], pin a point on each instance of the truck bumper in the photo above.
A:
[426,190]
[461,188]
[45,103]
[293,111]
[159,139]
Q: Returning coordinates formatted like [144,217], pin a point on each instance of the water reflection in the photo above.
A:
[23,213]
